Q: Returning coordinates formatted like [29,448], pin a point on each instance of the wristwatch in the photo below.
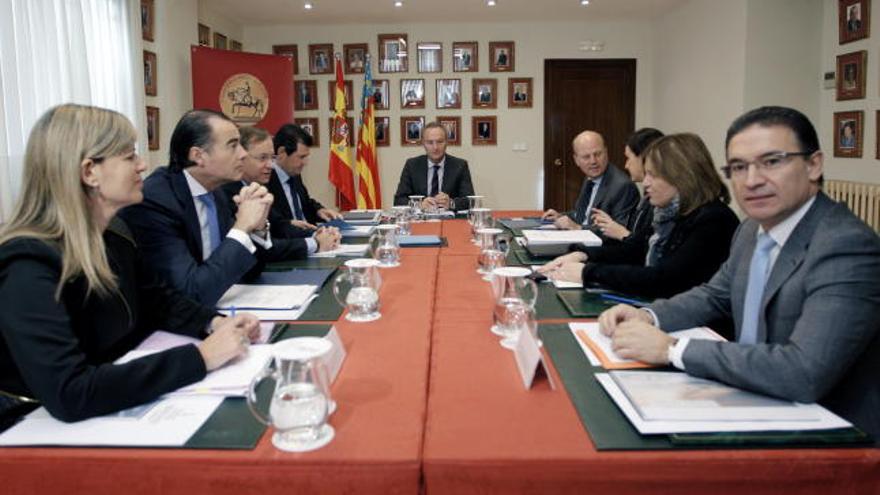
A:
[263,232]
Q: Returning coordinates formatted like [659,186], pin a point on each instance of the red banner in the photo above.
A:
[249,88]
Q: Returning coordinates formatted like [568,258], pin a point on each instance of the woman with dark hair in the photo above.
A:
[74,295]
[692,225]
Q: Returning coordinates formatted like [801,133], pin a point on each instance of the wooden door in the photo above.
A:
[598,95]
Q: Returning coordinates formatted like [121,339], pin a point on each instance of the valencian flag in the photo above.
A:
[369,195]
[340,173]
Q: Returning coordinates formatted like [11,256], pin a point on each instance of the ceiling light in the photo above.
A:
[490,3]
[308,6]
[398,3]
[585,2]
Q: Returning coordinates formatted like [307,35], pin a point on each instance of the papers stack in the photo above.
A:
[673,402]
[598,349]
[556,242]
[355,250]
[362,217]
[268,302]
[358,231]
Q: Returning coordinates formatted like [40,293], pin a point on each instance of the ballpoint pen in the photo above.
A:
[621,299]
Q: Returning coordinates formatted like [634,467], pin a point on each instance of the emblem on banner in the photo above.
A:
[340,130]
[244,99]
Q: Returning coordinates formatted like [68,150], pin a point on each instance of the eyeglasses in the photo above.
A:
[768,162]
[264,157]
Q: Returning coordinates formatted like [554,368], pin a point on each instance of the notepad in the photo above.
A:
[273,297]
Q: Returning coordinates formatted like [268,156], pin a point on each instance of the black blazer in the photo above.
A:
[633,248]
[617,196]
[698,244]
[456,181]
[282,231]
[61,352]
[282,207]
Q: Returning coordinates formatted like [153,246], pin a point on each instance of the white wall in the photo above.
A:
[511,179]
[867,168]
[219,22]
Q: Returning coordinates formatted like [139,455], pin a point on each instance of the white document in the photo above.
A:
[343,250]
[266,315]
[826,419]
[604,342]
[544,237]
[165,423]
[359,231]
[244,297]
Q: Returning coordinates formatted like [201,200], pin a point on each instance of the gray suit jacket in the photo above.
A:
[819,332]
[617,196]
[456,181]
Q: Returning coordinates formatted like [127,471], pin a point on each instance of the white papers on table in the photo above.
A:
[589,332]
[343,250]
[165,423]
[549,237]
[560,284]
[358,231]
[257,297]
[822,418]
[276,314]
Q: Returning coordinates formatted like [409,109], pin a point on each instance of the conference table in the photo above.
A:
[429,402]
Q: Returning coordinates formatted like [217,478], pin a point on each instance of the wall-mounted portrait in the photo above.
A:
[851,75]
[465,56]
[236,46]
[381,94]
[453,129]
[321,58]
[204,35]
[310,125]
[411,130]
[854,20]
[484,130]
[484,93]
[412,93]
[354,56]
[848,134]
[147,19]
[392,53]
[519,92]
[430,56]
[305,95]
[331,92]
[151,76]
[153,128]
[219,41]
[291,51]
[501,56]
[383,131]
[448,93]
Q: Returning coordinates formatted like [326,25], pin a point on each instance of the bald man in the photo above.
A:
[605,188]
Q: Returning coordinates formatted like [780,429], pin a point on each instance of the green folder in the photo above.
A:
[233,426]
[306,263]
[548,306]
[583,304]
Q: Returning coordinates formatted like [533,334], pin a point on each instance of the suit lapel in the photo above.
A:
[421,175]
[184,197]
[279,202]
[450,169]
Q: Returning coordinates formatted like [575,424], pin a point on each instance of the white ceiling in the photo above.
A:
[265,12]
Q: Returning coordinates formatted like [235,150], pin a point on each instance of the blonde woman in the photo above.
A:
[74,295]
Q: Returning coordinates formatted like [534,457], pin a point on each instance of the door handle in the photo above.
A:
[557,162]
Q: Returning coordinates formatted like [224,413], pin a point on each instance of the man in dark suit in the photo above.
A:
[258,167]
[293,200]
[443,179]
[605,188]
[802,284]
[193,236]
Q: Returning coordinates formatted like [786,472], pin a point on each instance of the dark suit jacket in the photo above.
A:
[818,332]
[633,248]
[282,231]
[61,352]
[697,245]
[456,181]
[282,207]
[166,227]
[617,196]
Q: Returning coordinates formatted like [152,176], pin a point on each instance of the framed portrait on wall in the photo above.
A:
[310,125]
[381,94]
[854,20]
[321,58]
[236,46]
[350,137]
[501,56]
[465,56]
[430,55]
[383,131]
[448,93]
[519,92]
[147,19]
[219,41]
[411,130]
[412,93]
[851,75]
[290,50]
[392,53]
[354,57]
[453,129]
[331,91]
[484,130]
[305,95]
[848,134]
[484,93]
[204,35]
[153,128]
[151,76]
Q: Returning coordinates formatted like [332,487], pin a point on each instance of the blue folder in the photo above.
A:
[420,240]
[339,224]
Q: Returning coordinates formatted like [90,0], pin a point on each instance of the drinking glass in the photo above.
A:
[515,297]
